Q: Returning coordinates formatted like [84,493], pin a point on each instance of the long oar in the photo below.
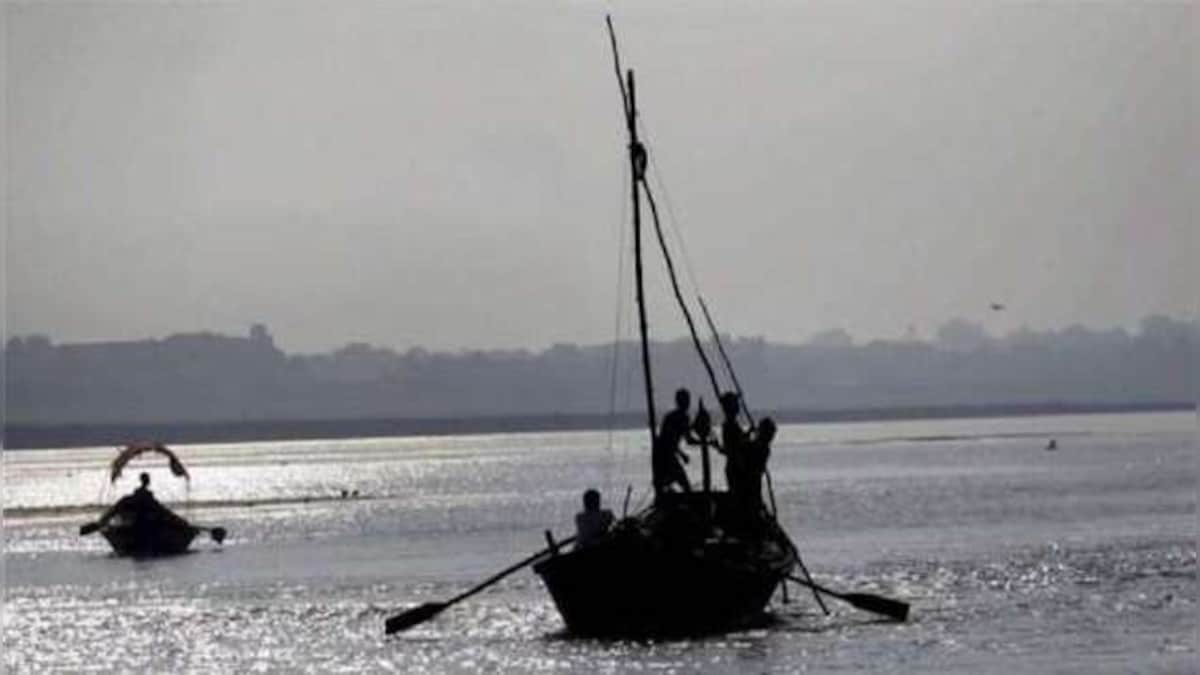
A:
[800,561]
[217,533]
[869,602]
[425,612]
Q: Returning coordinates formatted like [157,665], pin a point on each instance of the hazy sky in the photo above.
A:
[453,175]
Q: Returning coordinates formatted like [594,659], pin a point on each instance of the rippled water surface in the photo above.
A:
[1013,558]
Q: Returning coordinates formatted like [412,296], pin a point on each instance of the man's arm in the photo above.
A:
[121,505]
[107,515]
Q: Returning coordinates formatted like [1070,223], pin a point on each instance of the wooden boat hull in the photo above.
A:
[149,539]
[636,583]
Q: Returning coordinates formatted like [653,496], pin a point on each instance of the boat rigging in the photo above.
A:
[692,562]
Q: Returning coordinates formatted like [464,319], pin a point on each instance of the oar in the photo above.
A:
[425,612]
[217,533]
[869,602]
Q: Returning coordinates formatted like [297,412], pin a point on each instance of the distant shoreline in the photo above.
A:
[39,436]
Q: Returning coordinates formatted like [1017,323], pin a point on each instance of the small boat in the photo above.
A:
[147,538]
[693,563]
[138,525]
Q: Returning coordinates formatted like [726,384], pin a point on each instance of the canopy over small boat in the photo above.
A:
[134,449]
[138,524]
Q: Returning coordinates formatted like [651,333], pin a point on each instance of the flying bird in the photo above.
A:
[996,307]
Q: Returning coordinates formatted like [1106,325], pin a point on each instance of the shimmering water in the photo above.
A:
[1014,558]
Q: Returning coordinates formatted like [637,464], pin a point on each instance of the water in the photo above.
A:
[1014,558]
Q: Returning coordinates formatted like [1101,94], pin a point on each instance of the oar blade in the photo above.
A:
[88,528]
[414,616]
[888,607]
[217,534]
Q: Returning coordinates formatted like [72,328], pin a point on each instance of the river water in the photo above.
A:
[1013,557]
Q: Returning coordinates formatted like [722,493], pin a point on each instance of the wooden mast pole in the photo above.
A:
[637,163]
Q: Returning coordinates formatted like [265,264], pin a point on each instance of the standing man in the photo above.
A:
[666,455]
[754,465]
[733,441]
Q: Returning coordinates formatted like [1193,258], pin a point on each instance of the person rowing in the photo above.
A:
[140,506]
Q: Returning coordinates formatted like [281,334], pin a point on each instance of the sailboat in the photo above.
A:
[690,563]
[693,562]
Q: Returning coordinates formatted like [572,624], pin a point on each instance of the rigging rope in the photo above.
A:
[692,278]
[672,219]
[687,314]
[689,270]
[615,357]
[728,364]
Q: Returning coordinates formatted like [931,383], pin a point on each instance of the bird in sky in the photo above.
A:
[996,307]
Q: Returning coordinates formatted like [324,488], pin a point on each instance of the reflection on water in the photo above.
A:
[1013,558]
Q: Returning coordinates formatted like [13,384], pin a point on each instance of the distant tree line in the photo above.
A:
[204,377]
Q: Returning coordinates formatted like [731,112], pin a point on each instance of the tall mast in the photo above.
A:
[637,173]
[637,162]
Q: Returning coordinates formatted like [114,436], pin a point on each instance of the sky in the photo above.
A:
[452,175]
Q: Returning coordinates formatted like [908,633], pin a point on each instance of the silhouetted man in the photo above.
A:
[754,465]
[133,504]
[142,500]
[733,440]
[676,427]
[592,522]
[140,505]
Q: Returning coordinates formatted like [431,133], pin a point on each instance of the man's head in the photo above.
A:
[591,500]
[144,478]
[682,399]
[729,404]
[766,430]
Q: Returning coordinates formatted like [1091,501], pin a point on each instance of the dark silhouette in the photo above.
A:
[138,524]
[666,455]
[733,438]
[668,569]
[141,506]
[1052,445]
[592,522]
[702,430]
[754,464]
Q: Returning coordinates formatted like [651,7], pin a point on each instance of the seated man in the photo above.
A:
[592,522]
[140,506]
